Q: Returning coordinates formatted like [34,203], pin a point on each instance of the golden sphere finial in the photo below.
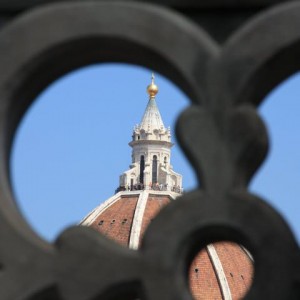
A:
[152,89]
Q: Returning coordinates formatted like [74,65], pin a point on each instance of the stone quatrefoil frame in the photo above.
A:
[221,134]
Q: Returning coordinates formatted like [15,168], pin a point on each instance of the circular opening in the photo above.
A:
[72,144]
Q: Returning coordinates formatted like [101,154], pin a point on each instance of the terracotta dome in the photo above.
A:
[222,271]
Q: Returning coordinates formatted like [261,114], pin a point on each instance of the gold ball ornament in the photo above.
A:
[152,90]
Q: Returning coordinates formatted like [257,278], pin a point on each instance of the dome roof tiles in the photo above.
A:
[220,271]
[116,221]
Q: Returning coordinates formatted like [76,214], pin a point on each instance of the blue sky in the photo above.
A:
[72,144]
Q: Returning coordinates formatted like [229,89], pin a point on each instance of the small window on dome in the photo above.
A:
[100,223]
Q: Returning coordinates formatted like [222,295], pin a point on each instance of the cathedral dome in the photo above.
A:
[221,270]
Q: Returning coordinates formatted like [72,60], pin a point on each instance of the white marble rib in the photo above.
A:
[138,220]
[248,253]
[226,293]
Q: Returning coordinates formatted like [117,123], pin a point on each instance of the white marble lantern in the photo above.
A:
[151,153]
